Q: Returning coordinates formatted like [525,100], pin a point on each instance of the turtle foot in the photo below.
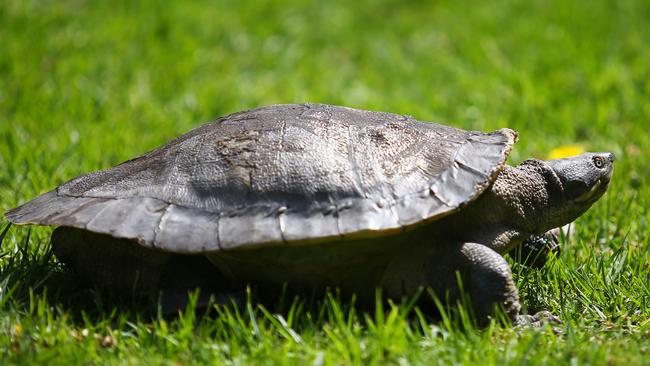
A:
[539,320]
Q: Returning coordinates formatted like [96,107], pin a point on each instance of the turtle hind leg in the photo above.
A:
[118,265]
[128,270]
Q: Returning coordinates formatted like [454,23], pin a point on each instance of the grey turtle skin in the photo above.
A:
[318,196]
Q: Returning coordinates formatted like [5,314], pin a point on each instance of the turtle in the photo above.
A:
[316,196]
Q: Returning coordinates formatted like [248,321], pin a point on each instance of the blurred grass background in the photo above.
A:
[85,85]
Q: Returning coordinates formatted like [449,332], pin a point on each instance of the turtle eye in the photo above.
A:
[599,162]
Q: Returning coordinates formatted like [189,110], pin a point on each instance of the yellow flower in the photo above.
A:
[565,151]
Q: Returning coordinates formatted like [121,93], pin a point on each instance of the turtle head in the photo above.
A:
[575,183]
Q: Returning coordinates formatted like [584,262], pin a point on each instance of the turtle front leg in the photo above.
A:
[486,277]
[488,281]
[534,251]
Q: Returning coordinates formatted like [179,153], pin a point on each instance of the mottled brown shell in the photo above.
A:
[280,174]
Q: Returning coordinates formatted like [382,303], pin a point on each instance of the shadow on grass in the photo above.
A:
[29,274]
[34,278]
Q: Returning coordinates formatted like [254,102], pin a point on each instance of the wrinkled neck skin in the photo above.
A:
[520,203]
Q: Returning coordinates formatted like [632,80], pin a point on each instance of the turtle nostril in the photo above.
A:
[611,157]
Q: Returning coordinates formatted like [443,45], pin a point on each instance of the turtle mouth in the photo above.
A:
[596,190]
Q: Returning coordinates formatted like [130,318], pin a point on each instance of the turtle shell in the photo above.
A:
[280,174]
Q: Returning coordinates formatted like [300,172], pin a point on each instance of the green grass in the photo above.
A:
[85,85]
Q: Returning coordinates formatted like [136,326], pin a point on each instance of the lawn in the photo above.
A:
[85,85]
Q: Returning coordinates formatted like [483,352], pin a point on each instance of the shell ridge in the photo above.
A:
[354,165]
[218,229]
[58,211]
[283,133]
[281,224]
[470,169]
[158,228]
[82,206]
[97,214]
